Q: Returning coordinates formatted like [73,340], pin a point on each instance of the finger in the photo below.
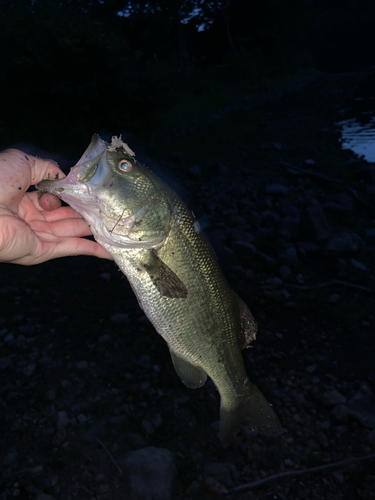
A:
[64,228]
[56,214]
[76,246]
[44,169]
[49,202]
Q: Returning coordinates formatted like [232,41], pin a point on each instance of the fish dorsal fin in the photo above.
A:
[192,376]
[249,326]
[165,280]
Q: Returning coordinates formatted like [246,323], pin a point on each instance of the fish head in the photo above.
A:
[112,191]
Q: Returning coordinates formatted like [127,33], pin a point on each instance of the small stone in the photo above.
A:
[311,368]
[10,458]
[147,427]
[195,171]
[332,397]
[339,476]
[371,436]
[9,338]
[103,488]
[213,486]
[51,394]
[340,412]
[157,420]
[104,338]
[276,189]
[362,408]
[120,319]
[62,419]
[59,438]
[82,365]
[218,471]
[281,296]
[43,496]
[150,473]
[289,257]
[288,462]
[16,492]
[29,369]
[82,418]
[344,242]
[323,440]
[314,224]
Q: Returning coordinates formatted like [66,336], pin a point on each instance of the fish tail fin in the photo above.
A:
[251,409]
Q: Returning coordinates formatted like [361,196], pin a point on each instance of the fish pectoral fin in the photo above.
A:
[165,280]
[191,375]
[249,326]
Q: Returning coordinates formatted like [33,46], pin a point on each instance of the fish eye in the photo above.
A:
[125,165]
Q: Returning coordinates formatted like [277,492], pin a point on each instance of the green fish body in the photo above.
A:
[158,244]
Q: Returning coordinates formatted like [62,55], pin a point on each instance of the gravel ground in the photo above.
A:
[90,404]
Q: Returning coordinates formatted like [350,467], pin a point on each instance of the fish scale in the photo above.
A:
[155,240]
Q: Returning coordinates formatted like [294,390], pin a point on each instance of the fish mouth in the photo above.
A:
[90,173]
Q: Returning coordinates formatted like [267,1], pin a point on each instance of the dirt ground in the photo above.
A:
[86,379]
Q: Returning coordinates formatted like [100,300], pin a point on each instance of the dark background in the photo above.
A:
[223,114]
[69,68]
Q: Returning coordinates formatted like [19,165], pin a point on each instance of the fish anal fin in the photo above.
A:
[165,280]
[249,326]
[191,375]
[252,410]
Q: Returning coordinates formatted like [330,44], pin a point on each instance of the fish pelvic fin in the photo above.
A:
[191,375]
[253,410]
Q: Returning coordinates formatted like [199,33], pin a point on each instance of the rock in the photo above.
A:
[285,272]
[82,365]
[218,471]
[308,246]
[288,208]
[62,420]
[370,235]
[215,488]
[51,394]
[339,476]
[10,458]
[29,369]
[120,319]
[195,171]
[362,408]
[276,189]
[59,437]
[150,473]
[371,436]
[147,427]
[244,250]
[176,157]
[340,412]
[281,296]
[344,242]
[289,257]
[340,202]
[314,224]
[269,218]
[332,397]
[43,496]
[291,225]
[323,440]
[358,266]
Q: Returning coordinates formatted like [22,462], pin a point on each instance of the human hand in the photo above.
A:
[34,228]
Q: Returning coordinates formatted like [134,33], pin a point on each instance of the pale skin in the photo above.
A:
[35,229]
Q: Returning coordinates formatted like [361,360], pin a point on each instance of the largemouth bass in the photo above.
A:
[158,244]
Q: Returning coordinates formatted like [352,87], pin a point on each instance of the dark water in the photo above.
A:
[358,122]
